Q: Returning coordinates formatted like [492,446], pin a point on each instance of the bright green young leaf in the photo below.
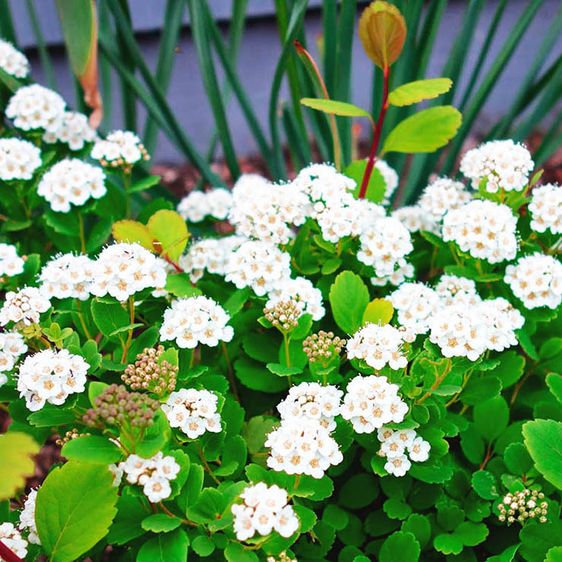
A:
[75,507]
[170,230]
[235,552]
[448,544]
[554,383]
[180,285]
[554,554]
[425,131]
[144,184]
[333,107]
[349,297]
[400,546]
[16,451]
[92,448]
[414,92]
[203,545]
[165,547]
[110,318]
[543,439]
[506,556]
[378,311]
[419,526]
[484,484]
[283,370]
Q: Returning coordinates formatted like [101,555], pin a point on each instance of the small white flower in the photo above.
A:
[24,306]
[536,280]
[400,447]
[419,450]
[156,489]
[119,149]
[51,376]
[377,346]
[11,537]
[371,402]
[504,164]
[36,107]
[18,159]
[398,466]
[484,229]
[12,61]
[441,196]
[67,276]
[301,291]
[10,263]
[193,411]
[71,182]
[390,179]
[27,518]
[415,303]
[198,205]
[74,131]
[12,346]
[263,510]
[195,320]
[414,218]
[546,208]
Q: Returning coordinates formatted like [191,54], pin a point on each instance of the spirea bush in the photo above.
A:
[332,380]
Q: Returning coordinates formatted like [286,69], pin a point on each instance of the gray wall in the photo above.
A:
[259,53]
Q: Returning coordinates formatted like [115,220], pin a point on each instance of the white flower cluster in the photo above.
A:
[484,229]
[312,401]
[51,376]
[153,474]
[193,411]
[536,280]
[71,182]
[11,537]
[457,290]
[468,331]
[266,211]
[259,265]
[36,107]
[74,131]
[196,320]
[198,205]
[27,518]
[301,291]
[403,271]
[384,246]
[12,61]
[415,303]
[264,510]
[503,163]
[124,269]
[441,196]
[377,346]
[414,218]
[210,254]
[67,276]
[371,402]
[400,447]
[18,159]
[119,148]
[25,306]
[323,183]
[390,179]
[302,448]
[546,208]
[12,346]
[10,263]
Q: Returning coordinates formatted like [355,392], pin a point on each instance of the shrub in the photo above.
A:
[332,380]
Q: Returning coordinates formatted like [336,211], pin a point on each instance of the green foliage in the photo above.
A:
[349,298]
[75,507]
[414,92]
[543,439]
[16,450]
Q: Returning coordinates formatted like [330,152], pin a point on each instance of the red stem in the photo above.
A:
[7,555]
[376,135]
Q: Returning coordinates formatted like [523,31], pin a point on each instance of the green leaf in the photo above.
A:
[257,377]
[160,523]
[471,533]
[448,544]
[491,418]
[349,297]
[133,231]
[335,516]
[358,491]
[180,285]
[425,131]
[92,448]
[209,506]
[109,318]
[419,526]
[419,90]
[506,556]
[155,437]
[401,546]
[396,508]
[510,369]
[127,524]
[170,230]
[378,311]
[75,507]
[165,547]
[283,370]
[235,552]
[203,545]
[144,183]
[16,451]
[554,383]
[484,484]
[538,538]
[517,459]
[376,188]
[554,554]
[543,439]
[480,388]
[51,416]
[256,431]
[333,107]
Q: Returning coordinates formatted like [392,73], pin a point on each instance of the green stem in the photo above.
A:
[287,354]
